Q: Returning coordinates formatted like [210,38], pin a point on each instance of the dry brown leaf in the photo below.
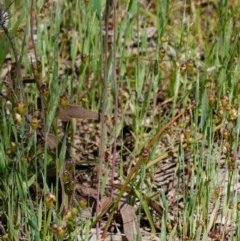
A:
[86,191]
[130,224]
[51,141]
[215,234]
[76,111]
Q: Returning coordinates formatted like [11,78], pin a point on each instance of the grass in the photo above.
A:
[177,92]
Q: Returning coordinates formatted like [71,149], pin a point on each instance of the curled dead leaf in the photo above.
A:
[78,112]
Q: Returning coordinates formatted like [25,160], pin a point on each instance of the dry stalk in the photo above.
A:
[115,95]
[102,120]
[39,80]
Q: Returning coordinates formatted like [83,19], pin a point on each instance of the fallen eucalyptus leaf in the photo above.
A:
[51,141]
[130,224]
[76,111]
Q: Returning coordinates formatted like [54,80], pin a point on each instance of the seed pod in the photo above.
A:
[69,164]
[74,212]
[190,140]
[20,108]
[145,154]
[67,214]
[233,114]
[183,67]
[190,65]
[83,202]
[44,90]
[187,133]
[238,206]
[231,167]
[61,231]
[224,101]
[217,192]
[169,227]
[54,228]
[220,113]
[69,187]
[13,146]
[228,109]
[37,70]
[5,236]
[66,177]
[9,151]
[162,65]
[164,39]
[212,99]
[226,133]
[232,158]
[231,205]
[63,101]
[18,118]
[35,123]
[162,52]
[49,200]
